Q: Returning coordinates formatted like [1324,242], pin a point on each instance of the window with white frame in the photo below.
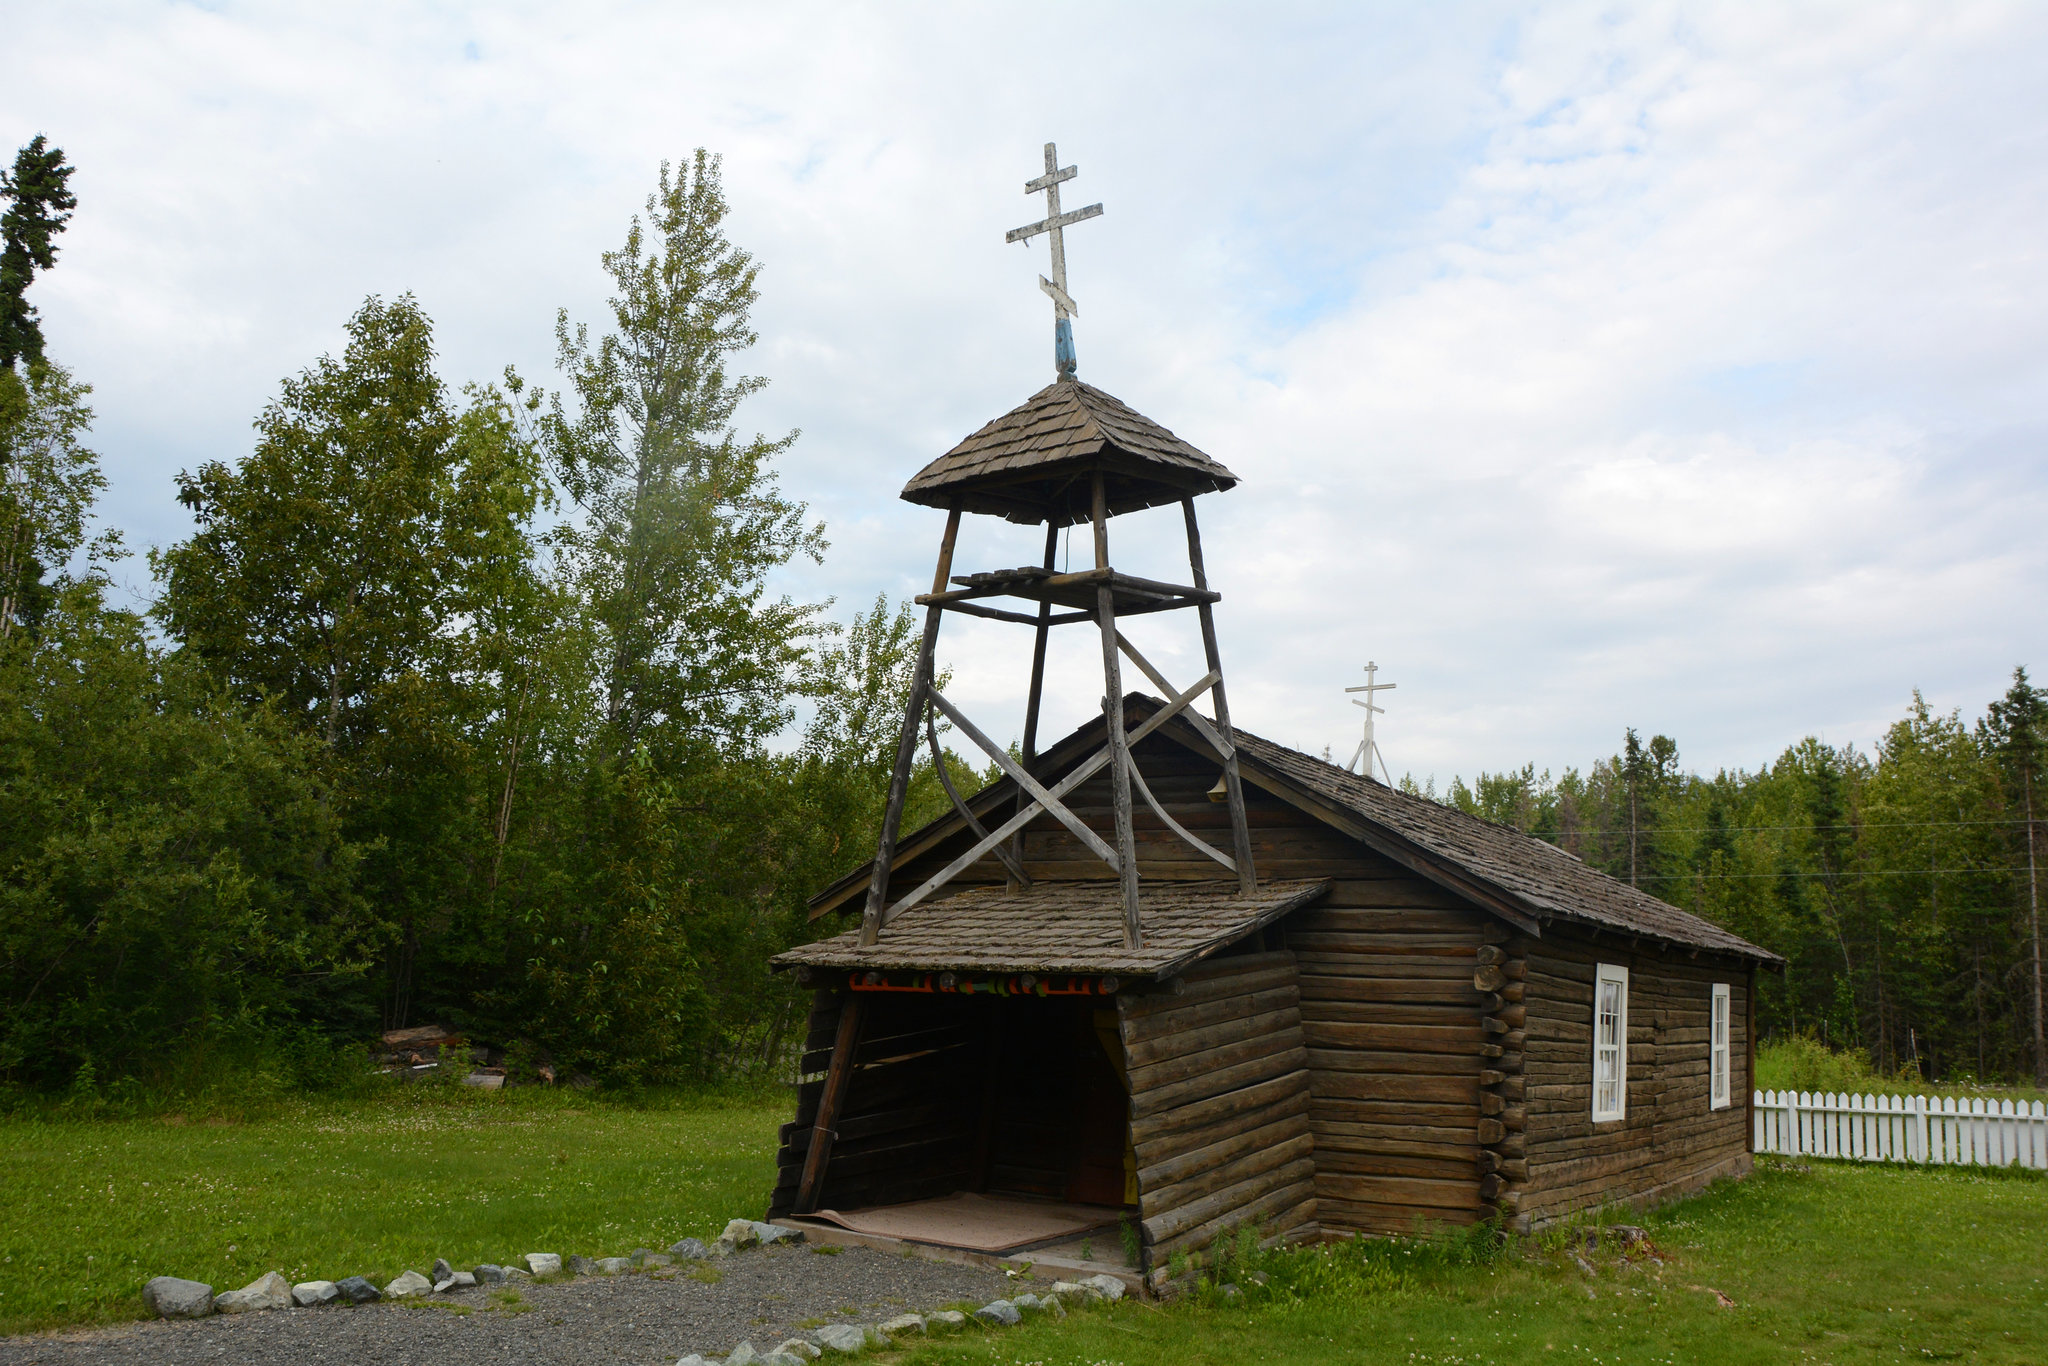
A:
[1610,1042]
[1718,1048]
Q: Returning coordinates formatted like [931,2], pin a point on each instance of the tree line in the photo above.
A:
[454,706]
[462,705]
[1902,886]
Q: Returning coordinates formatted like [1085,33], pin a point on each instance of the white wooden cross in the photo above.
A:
[1368,749]
[1063,306]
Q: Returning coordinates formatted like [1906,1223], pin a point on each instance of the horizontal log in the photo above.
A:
[1246,1167]
[1509,1088]
[1234,1136]
[1513,1168]
[1198,1050]
[1218,1204]
[1164,1147]
[1160,1085]
[1400,1190]
[1341,1010]
[1145,1016]
[1329,1109]
[1149,1037]
[1196,1115]
[1462,1039]
[1394,1063]
[1456,1165]
[1368,1086]
[1281,1203]
[1365,1217]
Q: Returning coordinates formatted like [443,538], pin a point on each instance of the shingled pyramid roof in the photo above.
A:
[1033,463]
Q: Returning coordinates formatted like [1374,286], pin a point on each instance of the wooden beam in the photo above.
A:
[1008,856]
[1022,777]
[906,743]
[1233,784]
[837,1077]
[1081,773]
[1119,742]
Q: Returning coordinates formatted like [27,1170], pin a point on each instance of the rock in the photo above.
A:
[356,1290]
[842,1337]
[771,1234]
[653,1259]
[902,1323]
[440,1271]
[517,1273]
[1112,1289]
[741,1233]
[612,1266]
[457,1280]
[693,1359]
[170,1297]
[268,1291]
[1628,1235]
[1051,1305]
[581,1265]
[801,1350]
[487,1274]
[998,1311]
[1230,1291]
[944,1318]
[307,1294]
[722,1247]
[408,1283]
[689,1249]
[778,1357]
[1025,1301]
[1076,1290]
[742,1355]
[544,1263]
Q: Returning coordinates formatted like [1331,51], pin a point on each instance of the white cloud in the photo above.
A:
[1670,366]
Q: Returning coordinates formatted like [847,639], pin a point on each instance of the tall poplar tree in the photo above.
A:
[682,519]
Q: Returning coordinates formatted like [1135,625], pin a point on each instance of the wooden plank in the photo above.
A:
[1173,1049]
[834,1093]
[1245,1167]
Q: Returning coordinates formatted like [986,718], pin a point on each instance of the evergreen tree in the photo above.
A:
[39,204]
[2016,727]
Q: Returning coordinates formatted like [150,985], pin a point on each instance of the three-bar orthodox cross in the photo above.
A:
[1368,749]
[1063,308]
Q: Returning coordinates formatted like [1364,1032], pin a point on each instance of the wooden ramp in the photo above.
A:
[978,1223]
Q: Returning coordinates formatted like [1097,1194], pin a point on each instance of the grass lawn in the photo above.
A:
[1828,1264]
[1821,1262]
[91,1209]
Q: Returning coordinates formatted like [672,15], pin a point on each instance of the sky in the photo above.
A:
[1585,366]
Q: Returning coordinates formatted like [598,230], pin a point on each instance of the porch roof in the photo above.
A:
[1053,927]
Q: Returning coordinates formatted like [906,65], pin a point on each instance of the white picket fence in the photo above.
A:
[1991,1133]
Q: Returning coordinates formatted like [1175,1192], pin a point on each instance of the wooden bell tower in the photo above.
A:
[1070,454]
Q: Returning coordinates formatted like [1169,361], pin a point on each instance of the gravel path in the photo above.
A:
[636,1319]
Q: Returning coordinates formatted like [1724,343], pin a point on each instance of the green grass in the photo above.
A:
[90,1209]
[1830,1264]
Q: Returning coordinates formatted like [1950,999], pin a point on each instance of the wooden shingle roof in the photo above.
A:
[1533,873]
[1053,927]
[1516,875]
[1033,464]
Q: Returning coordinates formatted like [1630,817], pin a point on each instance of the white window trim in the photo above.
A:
[1603,974]
[1720,1026]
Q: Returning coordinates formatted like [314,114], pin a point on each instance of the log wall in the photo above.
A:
[1219,1106]
[903,1133]
[1392,1023]
[1669,1142]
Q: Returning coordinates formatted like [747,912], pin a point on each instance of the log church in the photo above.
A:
[1168,977]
